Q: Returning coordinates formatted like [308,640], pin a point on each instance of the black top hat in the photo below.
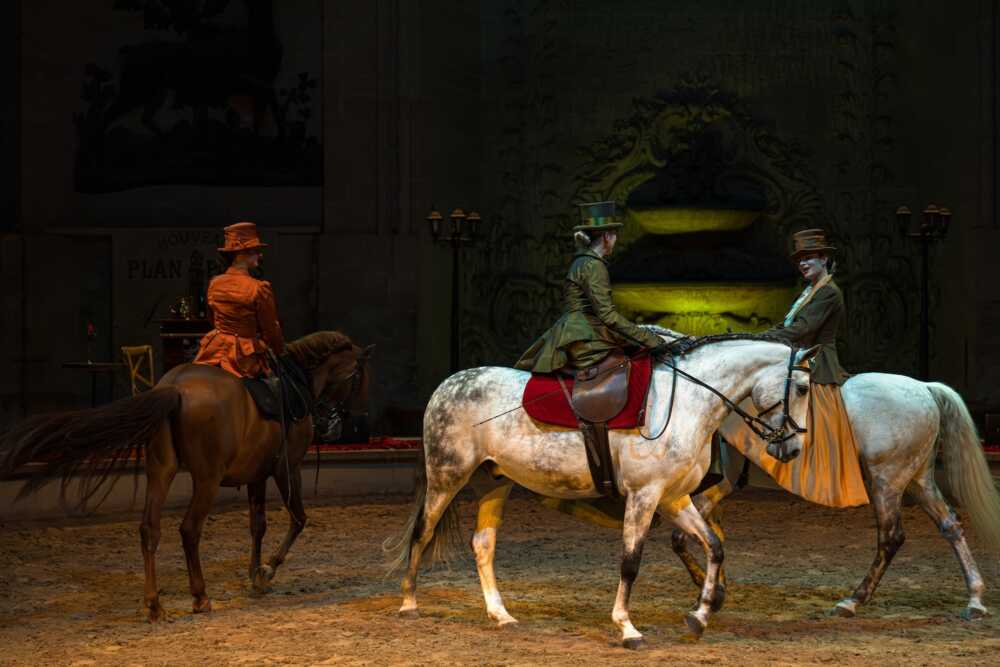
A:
[598,217]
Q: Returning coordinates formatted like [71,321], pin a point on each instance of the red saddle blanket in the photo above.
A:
[544,401]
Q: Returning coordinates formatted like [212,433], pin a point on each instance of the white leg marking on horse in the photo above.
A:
[484,543]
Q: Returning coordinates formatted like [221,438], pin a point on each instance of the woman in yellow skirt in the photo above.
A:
[828,470]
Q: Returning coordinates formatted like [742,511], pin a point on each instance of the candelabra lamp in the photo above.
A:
[933,226]
[461,230]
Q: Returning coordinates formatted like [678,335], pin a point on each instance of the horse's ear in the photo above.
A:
[806,355]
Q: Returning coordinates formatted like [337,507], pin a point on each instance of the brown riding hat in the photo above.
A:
[809,240]
[240,237]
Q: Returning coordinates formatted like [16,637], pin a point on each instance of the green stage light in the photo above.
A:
[685,220]
[706,308]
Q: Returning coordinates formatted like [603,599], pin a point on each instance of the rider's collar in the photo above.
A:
[589,252]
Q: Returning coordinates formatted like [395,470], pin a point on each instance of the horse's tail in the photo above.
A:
[447,534]
[968,473]
[85,444]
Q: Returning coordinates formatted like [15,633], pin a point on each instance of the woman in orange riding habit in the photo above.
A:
[242,310]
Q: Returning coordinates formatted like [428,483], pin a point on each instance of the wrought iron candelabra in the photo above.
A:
[934,224]
[463,230]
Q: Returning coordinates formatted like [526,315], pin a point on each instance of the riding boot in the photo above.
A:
[607,465]
[595,437]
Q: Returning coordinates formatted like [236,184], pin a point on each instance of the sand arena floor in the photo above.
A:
[70,594]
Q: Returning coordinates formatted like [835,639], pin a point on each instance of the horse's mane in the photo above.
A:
[685,345]
[313,349]
[662,331]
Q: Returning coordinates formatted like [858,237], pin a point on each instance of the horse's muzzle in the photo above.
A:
[780,451]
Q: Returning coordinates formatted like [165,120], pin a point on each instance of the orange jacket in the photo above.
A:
[245,321]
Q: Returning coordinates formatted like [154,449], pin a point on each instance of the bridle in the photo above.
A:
[354,378]
[786,429]
[330,412]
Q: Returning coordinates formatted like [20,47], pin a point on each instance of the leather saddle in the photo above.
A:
[600,392]
[287,383]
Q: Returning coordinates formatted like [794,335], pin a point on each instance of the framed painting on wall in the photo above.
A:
[212,92]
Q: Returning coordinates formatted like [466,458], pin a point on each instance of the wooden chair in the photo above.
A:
[139,361]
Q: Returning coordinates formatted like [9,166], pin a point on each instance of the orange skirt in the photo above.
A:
[828,470]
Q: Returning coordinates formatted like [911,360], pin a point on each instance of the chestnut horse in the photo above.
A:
[200,419]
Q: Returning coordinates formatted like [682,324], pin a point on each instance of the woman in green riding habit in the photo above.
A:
[590,327]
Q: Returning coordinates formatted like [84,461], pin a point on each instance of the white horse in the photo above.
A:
[655,475]
[900,424]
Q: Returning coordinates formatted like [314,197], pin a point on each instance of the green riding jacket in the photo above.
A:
[817,324]
[590,326]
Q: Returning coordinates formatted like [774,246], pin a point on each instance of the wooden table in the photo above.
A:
[94,367]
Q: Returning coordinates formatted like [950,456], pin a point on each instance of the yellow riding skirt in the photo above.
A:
[828,471]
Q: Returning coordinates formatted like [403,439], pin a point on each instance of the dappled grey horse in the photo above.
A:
[900,424]
[656,473]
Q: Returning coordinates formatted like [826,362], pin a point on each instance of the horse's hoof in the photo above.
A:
[719,598]
[262,581]
[972,613]
[633,643]
[695,625]
[266,571]
[409,613]
[155,613]
[202,606]
[508,622]
[844,609]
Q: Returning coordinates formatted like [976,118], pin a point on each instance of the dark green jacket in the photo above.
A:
[590,326]
[817,323]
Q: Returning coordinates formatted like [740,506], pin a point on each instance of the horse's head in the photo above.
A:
[781,398]
[339,369]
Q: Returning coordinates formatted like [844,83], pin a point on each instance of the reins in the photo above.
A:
[761,428]
[311,403]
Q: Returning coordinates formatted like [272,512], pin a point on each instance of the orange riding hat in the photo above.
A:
[240,237]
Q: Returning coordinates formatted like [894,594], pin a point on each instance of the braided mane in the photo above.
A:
[685,345]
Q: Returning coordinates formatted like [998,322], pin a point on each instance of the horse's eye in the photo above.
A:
[802,389]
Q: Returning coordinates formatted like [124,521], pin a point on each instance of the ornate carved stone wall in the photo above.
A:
[586,100]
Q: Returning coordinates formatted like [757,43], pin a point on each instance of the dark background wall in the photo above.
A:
[11,303]
[853,108]
[846,110]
